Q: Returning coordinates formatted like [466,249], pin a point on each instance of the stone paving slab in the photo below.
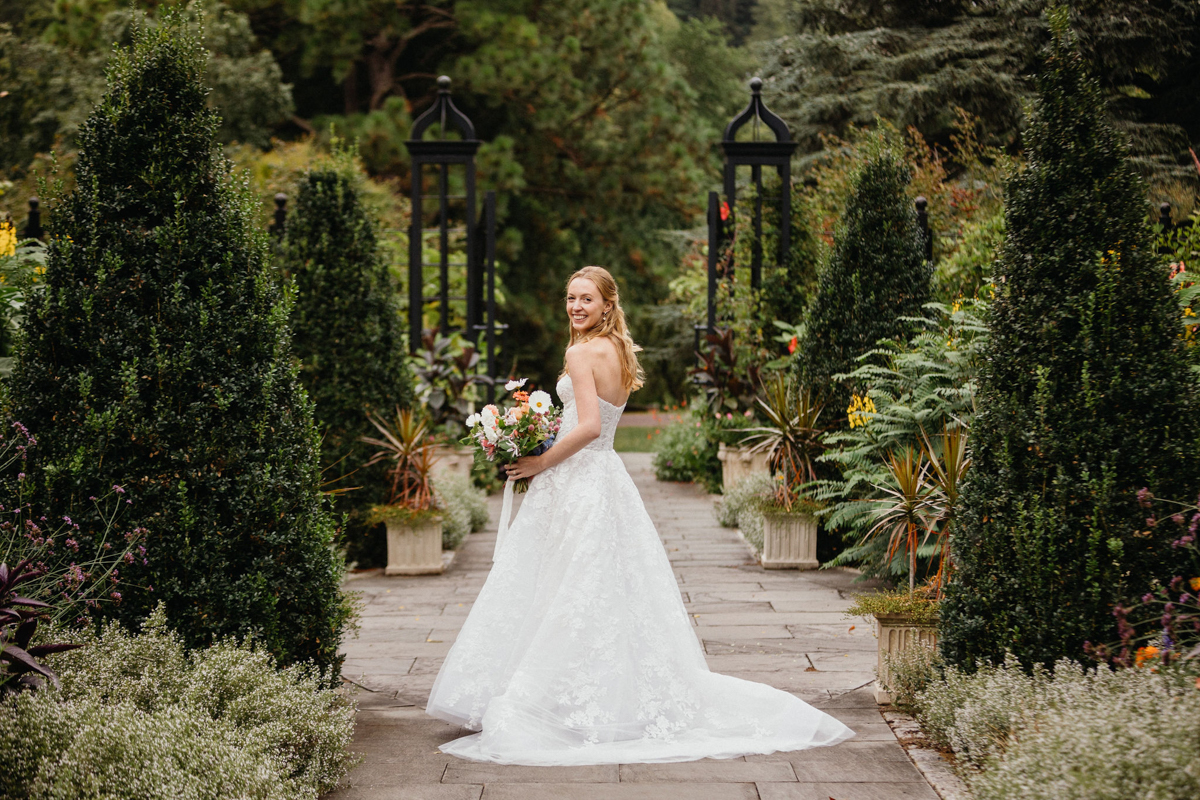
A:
[783,628]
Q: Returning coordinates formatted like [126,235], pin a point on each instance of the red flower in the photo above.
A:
[724,211]
[792,345]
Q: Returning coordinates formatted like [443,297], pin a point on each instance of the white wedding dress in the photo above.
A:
[578,649]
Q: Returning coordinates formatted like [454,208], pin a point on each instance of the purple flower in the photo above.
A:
[116,596]
[1144,497]
[1147,598]
[118,489]
[1178,519]
[21,475]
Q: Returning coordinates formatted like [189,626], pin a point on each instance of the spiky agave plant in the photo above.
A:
[903,513]
[793,437]
[408,444]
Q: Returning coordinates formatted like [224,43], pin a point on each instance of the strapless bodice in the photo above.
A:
[609,416]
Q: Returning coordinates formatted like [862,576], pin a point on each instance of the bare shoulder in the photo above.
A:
[593,352]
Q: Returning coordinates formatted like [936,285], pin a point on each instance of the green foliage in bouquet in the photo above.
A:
[158,358]
[347,331]
[1085,395]
[876,275]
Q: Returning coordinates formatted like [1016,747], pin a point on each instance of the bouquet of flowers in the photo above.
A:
[527,428]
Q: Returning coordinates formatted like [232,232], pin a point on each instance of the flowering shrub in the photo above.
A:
[137,716]
[1074,734]
[685,451]
[463,508]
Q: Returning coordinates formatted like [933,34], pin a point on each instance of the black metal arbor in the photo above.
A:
[755,154]
[480,261]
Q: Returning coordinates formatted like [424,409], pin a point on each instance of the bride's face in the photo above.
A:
[585,306]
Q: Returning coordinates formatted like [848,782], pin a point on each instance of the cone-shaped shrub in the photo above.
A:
[876,274]
[1084,397]
[158,359]
[348,333]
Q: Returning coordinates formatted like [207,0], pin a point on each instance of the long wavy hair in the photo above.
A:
[611,325]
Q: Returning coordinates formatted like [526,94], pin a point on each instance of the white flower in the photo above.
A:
[511,385]
[539,402]
[510,417]
[473,420]
[492,434]
[488,418]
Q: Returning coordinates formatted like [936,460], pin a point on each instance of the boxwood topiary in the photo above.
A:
[158,359]
[876,275]
[348,336]
[1084,399]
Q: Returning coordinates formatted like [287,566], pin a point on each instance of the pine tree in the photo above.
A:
[1084,398]
[348,332]
[158,360]
[876,275]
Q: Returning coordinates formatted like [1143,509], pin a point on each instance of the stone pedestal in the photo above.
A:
[452,460]
[896,633]
[739,462]
[789,541]
[414,549]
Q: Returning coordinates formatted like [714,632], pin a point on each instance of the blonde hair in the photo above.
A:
[612,325]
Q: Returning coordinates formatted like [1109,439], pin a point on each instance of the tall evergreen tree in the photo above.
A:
[1084,397]
[876,275]
[348,332]
[158,360]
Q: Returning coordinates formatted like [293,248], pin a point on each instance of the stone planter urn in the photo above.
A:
[452,460]
[897,632]
[739,462]
[414,547]
[789,540]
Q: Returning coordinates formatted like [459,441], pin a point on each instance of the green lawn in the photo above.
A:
[636,440]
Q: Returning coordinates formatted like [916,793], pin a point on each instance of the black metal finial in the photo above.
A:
[1164,216]
[33,224]
[758,110]
[443,111]
[280,214]
[922,206]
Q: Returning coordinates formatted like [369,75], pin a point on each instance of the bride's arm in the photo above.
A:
[580,361]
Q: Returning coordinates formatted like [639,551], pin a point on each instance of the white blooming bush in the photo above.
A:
[140,718]
[463,508]
[741,507]
[1074,734]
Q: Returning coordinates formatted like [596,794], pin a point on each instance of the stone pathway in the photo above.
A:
[784,628]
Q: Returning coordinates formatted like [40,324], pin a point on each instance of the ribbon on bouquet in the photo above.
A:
[505,513]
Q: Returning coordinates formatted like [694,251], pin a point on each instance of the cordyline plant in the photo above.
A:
[793,437]
[727,384]
[903,511]
[406,443]
[19,617]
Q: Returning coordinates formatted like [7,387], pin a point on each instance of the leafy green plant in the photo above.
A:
[921,606]
[22,264]
[463,507]
[158,359]
[446,369]
[910,390]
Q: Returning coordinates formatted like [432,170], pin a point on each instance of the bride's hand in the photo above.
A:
[524,467]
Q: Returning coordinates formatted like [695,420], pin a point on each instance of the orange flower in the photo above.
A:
[1145,654]
[521,397]
[1195,584]
[792,345]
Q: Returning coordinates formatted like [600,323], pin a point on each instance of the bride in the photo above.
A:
[578,649]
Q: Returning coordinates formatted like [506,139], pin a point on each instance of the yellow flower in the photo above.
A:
[8,238]
[860,410]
